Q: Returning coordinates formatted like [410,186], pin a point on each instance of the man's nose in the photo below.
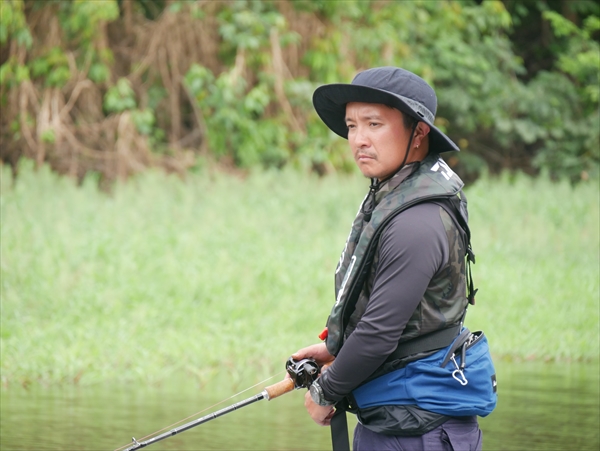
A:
[360,137]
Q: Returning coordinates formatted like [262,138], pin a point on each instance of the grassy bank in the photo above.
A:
[168,279]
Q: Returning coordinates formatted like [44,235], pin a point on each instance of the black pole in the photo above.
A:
[302,374]
[191,424]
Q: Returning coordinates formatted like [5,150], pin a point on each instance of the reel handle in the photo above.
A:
[303,372]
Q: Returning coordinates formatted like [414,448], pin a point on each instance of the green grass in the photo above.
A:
[538,268]
[218,275]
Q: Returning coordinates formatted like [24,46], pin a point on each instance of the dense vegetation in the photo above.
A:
[218,275]
[117,86]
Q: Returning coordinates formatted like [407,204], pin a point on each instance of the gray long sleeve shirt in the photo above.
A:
[413,248]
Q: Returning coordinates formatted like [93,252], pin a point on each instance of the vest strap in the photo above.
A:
[339,429]
[428,342]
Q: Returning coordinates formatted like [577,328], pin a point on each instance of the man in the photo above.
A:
[401,282]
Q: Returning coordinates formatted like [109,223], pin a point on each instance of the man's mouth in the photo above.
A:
[364,156]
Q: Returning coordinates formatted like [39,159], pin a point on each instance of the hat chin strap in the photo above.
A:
[412,134]
[369,204]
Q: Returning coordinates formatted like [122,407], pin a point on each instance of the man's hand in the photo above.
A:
[317,352]
[320,414]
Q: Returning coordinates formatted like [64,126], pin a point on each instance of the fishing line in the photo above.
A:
[203,410]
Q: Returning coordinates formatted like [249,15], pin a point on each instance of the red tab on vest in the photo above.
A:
[323,335]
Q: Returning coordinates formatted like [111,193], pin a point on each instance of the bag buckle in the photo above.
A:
[458,371]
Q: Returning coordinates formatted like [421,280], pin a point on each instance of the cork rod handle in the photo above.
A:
[280,388]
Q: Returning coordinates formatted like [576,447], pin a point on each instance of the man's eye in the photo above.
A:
[349,126]
[374,124]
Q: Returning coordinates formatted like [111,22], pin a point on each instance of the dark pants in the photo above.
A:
[454,435]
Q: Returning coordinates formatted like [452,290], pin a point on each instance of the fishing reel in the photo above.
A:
[303,372]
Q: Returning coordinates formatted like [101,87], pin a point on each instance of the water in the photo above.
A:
[541,407]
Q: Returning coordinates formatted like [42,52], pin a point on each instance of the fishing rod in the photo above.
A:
[302,375]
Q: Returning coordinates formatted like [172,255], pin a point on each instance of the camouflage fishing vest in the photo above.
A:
[445,300]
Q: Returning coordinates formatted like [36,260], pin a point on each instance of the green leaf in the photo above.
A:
[22,73]
[143,120]
[175,7]
[58,76]
[3,33]
[23,37]
[40,67]
[120,97]
[6,73]
[99,73]
[48,136]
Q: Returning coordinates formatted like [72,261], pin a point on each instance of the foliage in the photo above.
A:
[119,97]
[576,144]
[53,68]
[582,57]
[13,25]
[233,80]
[230,115]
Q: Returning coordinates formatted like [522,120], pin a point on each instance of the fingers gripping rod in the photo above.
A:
[302,374]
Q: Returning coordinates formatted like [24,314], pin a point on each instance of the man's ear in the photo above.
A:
[422,129]
[421,132]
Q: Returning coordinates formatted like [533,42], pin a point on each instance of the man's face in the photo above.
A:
[377,137]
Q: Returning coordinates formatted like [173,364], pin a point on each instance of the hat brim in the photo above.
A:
[330,103]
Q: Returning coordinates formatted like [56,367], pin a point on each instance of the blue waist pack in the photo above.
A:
[459,380]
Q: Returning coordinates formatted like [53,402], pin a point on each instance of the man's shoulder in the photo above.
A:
[423,212]
[418,234]
[421,221]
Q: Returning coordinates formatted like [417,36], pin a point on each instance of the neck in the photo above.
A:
[419,153]
[409,169]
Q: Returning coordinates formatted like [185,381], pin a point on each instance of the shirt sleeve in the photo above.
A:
[413,248]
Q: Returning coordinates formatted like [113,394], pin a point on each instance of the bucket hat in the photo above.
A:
[390,86]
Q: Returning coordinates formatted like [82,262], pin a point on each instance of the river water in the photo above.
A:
[541,406]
